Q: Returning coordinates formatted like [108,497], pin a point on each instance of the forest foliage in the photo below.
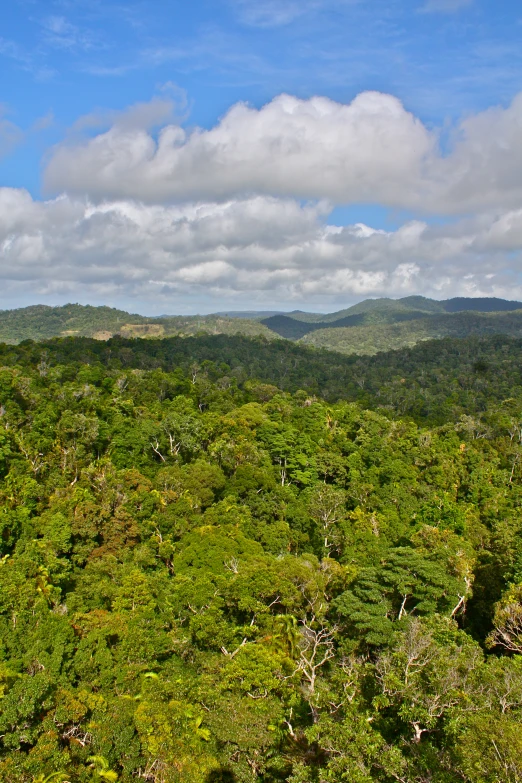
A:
[210,573]
[435,382]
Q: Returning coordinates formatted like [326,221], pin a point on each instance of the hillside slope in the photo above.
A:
[370,326]
[293,329]
[372,312]
[40,322]
[370,339]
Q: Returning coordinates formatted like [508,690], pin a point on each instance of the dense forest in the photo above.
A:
[240,560]
[435,382]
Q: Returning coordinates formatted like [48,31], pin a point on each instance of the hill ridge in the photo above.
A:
[363,328]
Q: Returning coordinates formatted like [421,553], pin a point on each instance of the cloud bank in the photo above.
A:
[177,219]
[260,250]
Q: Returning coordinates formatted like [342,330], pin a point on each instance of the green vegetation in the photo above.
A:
[294,329]
[433,382]
[370,311]
[365,329]
[385,310]
[208,324]
[40,322]
[371,339]
[256,315]
[388,324]
[295,325]
[208,573]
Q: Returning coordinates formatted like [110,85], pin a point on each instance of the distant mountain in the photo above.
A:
[379,312]
[40,322]
[254,315]
[484,305]
[373,338]
[293,329]
[382,309]
[293,326]
[365,328]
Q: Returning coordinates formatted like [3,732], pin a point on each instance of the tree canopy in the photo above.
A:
[229,560]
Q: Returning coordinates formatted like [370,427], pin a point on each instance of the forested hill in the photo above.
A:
[40,322]
[366,328]
[385,324]
[205,577]
[374,337]
[480,304]
[385,310]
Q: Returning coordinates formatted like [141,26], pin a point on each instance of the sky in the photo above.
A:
[171,157]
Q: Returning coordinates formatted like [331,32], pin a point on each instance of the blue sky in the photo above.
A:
[69,67]
[60,60]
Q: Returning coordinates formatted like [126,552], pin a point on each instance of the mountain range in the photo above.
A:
[365,328]
[381,311]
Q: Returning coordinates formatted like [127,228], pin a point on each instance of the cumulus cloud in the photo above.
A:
[239,213]
[144,116]
[371,148]
[258,250]
[368,151]
[485,166]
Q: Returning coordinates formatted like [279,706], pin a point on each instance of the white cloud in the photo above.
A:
[485,166]
[239,213]
[261,250]
[368,151]
[139,117]
[371,149]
